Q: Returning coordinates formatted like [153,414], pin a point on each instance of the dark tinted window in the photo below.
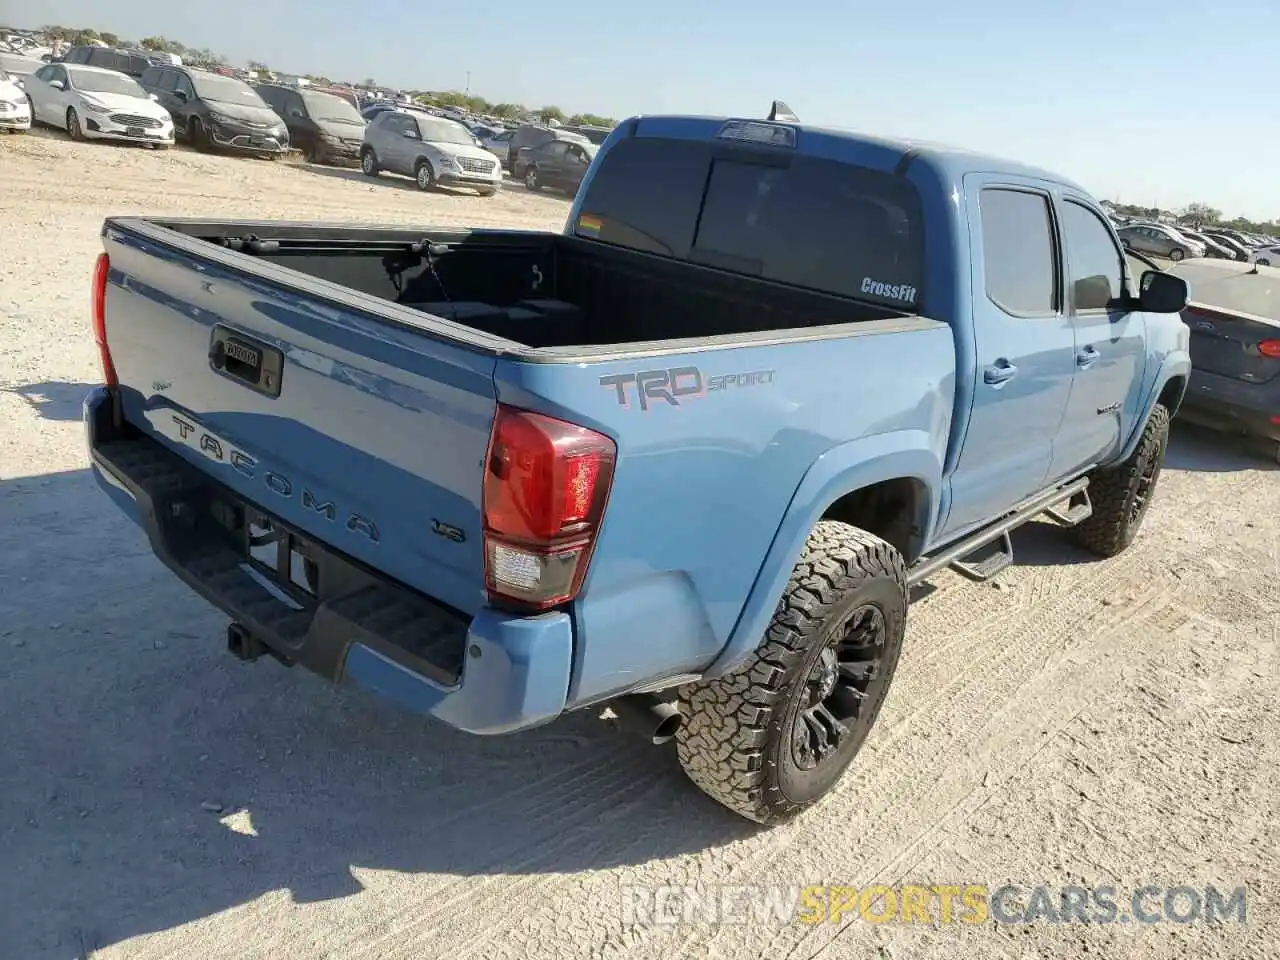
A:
[1017,252]
[814,223]
[150,78]
[78,55]
[107,59]
[1094,265]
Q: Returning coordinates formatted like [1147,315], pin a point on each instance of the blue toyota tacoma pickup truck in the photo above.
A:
[684,458]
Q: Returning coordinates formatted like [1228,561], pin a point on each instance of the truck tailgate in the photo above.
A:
[369,436]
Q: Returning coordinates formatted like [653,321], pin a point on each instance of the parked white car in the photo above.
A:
[91,103]
[1268,256]
[15,110]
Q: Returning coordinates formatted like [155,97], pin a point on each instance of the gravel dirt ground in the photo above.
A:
[1078,722]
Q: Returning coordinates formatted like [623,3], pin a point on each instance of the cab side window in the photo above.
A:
[1018,256]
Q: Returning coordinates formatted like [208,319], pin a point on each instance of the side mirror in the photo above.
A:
[180,94]
[57,84]
[1162,293]
[410,135]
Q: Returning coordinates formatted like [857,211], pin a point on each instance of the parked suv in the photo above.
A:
[432,150]
[326,128]
[533,135]
[559,164]
[129,63]
[1156,238]
[210,110]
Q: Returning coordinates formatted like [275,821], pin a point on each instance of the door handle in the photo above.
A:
[999,372]
[1087,356]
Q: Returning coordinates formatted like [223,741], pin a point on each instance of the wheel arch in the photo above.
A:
[887,484]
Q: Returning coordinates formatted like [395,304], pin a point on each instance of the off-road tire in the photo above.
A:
[369,162]
[1114,490]
[736,740]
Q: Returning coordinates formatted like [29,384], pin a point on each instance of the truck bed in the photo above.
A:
[539,290]
[308,441]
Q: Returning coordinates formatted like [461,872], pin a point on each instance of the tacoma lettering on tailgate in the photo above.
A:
[183,429]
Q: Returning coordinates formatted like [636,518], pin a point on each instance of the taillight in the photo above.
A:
[545,486]
[1270,348]
[100,271]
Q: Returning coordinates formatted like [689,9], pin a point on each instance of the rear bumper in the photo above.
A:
[1235,405]
[491,674]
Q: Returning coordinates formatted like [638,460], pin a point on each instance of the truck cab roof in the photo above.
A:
[852,146]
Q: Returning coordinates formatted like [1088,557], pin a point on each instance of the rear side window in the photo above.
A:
[812,223]
[1018,256]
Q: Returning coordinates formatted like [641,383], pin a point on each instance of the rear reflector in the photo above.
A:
[1270,348]
[545,486]
[99,301]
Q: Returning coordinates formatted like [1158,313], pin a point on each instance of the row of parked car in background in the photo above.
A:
[101,93]
[1175,242]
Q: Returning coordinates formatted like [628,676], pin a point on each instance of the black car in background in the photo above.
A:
[1234,316]
[326,128]
[559,164]
[128,62]
[533,135]
[212,111]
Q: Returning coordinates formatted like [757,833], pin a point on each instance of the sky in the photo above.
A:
[1160,103]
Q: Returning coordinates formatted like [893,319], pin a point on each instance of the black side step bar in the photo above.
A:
[989,565]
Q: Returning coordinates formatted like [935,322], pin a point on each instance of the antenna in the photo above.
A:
[781,112]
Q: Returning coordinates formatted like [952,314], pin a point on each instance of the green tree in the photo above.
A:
[1199,214]
[508,111]
[109,38]
[551,113]
[155,43]
[592,120]
[81,38]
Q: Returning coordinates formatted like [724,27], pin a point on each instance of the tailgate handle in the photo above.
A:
[246,360]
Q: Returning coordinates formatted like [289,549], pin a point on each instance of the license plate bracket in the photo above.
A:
[246,360]
[134,132]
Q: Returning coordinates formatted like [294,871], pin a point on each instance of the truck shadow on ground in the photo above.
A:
[54,399]
[148,780]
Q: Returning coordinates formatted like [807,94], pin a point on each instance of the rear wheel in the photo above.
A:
[74,130]
[369,162]
[1264,262]
[1176,254]
[1121,495]
[531,180]
[772,738]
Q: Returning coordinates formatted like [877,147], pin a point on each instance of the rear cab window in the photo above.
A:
[808,222]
